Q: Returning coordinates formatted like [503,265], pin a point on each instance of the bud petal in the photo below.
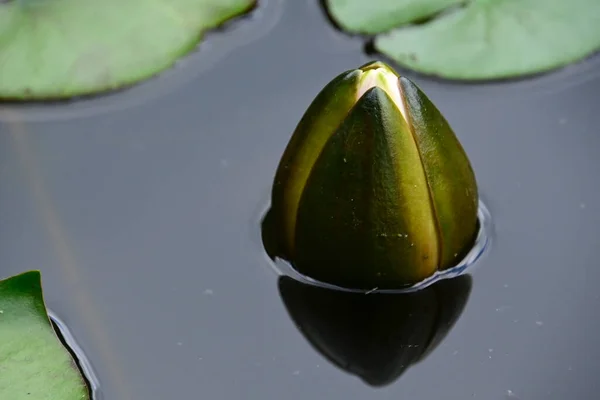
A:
[449,174]
[324,115]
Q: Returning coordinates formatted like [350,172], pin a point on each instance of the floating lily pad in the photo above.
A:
[62,48]
[34,365]
[377,16]
[484,39]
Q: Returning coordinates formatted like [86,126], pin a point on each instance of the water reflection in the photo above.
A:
[376,336]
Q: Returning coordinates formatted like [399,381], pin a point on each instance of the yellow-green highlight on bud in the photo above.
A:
[374,189]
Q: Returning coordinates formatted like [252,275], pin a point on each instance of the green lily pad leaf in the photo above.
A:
[34,365]
[490,39]
[377,16]
[62,48]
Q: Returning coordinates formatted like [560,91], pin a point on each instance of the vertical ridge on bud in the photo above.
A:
[414,196]
[449,174]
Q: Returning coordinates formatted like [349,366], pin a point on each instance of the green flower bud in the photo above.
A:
[374,189]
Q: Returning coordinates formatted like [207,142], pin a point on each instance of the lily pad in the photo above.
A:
[63,48]
[484,39]
[377,16]
[33,362]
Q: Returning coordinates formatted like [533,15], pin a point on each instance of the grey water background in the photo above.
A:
[142,211]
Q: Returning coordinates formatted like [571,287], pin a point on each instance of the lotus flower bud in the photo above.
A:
[374,189]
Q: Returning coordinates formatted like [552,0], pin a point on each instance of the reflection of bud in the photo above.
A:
[375,336]
[375,183]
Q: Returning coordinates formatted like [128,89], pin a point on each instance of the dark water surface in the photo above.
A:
[144,221]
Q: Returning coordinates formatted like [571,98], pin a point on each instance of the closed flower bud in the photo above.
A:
[374,189]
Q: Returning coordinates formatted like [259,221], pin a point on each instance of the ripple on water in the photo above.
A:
[82,361]
[482,243]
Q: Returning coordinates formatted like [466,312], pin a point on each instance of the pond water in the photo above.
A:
[142,209]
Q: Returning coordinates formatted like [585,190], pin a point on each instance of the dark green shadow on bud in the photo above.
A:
[375,336]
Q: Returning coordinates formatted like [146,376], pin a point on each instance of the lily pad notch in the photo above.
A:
[473,40]
[34,362]
[56,50]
